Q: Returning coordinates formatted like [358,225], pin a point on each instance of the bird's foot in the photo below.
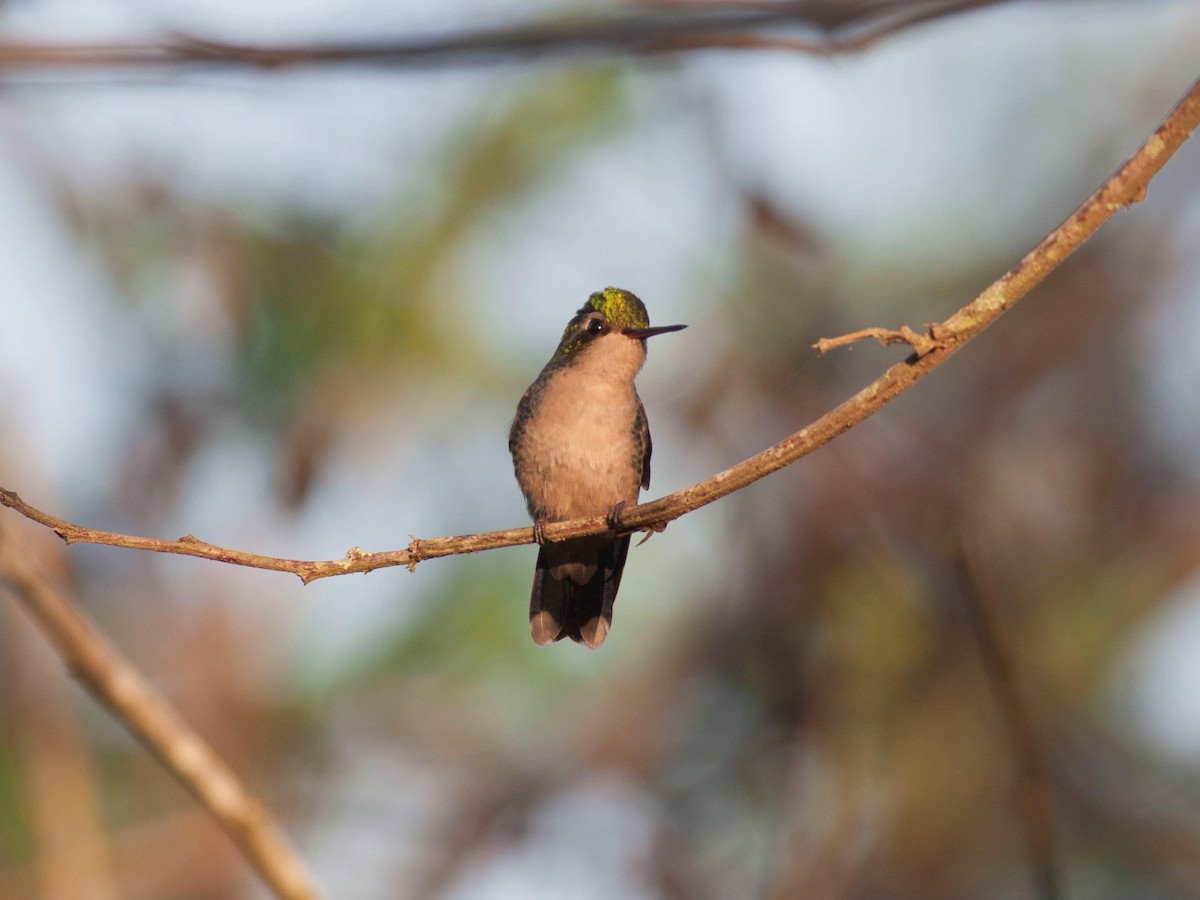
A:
[652,529]
[615,517]
[539,533]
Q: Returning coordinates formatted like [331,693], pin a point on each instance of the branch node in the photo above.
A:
[415,554]
[939,331]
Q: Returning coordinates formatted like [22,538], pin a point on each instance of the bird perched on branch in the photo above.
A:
[581,447]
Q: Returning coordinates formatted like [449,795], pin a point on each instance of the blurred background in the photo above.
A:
[952,654]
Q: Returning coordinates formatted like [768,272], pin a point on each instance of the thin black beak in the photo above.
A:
[643,333]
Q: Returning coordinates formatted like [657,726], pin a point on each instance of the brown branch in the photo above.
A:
[837,27]
[1125,187]
[113,681]
[921,343]
[1034,794]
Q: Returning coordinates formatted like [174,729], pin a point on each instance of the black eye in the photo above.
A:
[595,327]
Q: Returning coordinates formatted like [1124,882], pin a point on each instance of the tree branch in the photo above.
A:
[1035,796]
[1127,186]
[114,681]
[921,343]
[838,27]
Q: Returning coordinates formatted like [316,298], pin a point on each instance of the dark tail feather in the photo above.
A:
[561,607]
[548,604]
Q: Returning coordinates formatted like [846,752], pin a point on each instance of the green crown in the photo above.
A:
[621,308]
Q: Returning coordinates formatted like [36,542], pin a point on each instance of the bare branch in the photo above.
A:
[921,343]
[1034,794]
[832,27]
[112,680]
[1125,187]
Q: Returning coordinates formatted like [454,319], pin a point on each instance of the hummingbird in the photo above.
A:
[581,447]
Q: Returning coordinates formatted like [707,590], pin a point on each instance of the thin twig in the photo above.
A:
[1034,795]
[921,343]
[1125,187]
[113,681]
[837,27]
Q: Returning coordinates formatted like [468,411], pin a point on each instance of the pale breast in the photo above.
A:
[578,446]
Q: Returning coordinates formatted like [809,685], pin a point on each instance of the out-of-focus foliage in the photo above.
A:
[908,667]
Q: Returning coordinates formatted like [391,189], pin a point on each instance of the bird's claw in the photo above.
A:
[539,533]
[652,529]
[615,516]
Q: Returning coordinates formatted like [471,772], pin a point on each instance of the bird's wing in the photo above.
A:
[641,434]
